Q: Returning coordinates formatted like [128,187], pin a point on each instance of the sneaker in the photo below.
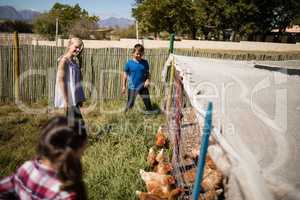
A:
[152,112]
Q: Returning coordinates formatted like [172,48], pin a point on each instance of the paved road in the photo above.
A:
[257,109]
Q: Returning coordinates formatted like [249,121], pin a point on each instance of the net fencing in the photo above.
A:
[254,123]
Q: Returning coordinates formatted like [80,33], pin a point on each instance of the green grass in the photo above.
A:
[118,146]
[18,137]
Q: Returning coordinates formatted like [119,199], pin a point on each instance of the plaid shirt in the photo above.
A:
[33,181]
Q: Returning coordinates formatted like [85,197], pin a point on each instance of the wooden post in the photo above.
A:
[171,75]
[171,84]
[137,31]
[16,56]
[56,31]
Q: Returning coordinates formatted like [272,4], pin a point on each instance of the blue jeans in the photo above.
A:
[74,114]
[144,93]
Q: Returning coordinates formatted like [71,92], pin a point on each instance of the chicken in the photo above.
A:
[174,194]
[163,168]
[212,179]
[151,159]
[160,138]
[210,163]
[156,183]
[153,176]
[162,156]
[161,189]
[195,152]
[210,195]
[148,196]
[190,175]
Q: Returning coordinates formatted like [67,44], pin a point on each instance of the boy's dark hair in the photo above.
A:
[60,140]
[138,48]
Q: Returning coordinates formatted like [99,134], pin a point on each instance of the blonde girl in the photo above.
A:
[69,93]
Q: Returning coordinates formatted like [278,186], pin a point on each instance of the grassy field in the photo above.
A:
[118,146]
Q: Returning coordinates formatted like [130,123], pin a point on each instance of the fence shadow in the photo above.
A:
[287,71]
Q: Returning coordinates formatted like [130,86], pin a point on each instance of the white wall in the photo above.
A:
[129,43]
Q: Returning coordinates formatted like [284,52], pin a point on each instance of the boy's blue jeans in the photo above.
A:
[144,93]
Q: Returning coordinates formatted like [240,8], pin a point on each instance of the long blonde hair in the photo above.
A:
[75,39]
[70,42]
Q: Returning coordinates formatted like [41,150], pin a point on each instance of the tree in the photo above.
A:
[11,26]
[275,14]
[285,12]
[129,32]
[45,26]
[218,17]
[82,28]
[190,18]
[68,16]
[222,15]
[213,16]
[148,15]
[180,16]
[296,21]
[167,15]
[241,14]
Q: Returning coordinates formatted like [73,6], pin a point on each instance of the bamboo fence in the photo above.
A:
[101,69]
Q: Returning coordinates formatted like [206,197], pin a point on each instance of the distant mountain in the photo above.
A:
[9,12]
[28,15]
[116,22]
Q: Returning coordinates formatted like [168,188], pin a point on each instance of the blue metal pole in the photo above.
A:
[203,151]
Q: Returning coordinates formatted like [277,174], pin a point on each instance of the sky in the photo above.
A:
[102,8]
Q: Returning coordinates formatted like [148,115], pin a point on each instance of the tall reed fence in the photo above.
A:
[101,69]
[24,38]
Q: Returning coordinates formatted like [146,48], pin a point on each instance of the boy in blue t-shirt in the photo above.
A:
[136,71]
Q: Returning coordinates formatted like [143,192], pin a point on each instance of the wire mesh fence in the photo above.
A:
[185,132]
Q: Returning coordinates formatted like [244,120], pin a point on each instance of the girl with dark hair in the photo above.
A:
[56,173]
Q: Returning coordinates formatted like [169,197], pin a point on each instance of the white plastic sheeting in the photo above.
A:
[256,120]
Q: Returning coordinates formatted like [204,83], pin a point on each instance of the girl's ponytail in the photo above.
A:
[60,142]
[70,172]
[69,166]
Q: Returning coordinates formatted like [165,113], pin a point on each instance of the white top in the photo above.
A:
[74,87]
